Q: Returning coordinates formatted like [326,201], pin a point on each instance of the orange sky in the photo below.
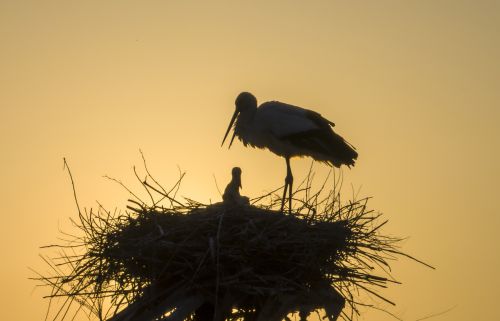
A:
[414,85]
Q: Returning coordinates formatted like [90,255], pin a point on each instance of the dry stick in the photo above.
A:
[66,166]
[257,199]
[142,183]
[149,174]
[125,187]
[68,298]
[178,184]
[57,288]
[49,282]
[164,195]
[437,314]
[77,311]
[71,301]
[386,311]
[216,185]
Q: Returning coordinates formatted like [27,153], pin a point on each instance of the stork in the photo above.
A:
[288,131]
[232,192]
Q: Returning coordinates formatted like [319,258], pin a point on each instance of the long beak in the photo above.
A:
[229,128]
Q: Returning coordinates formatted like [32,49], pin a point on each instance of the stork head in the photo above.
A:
[236,173]
[244,102]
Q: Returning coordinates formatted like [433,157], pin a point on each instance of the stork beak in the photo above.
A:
[229,128]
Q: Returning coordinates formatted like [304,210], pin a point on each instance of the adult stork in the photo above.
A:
[288,131]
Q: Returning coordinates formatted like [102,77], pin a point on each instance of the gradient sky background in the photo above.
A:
[414,85]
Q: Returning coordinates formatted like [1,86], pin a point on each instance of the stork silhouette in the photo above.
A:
[288,131]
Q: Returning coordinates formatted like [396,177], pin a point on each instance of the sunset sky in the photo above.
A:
[414,85]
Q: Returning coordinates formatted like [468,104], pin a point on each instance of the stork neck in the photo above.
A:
[237,181]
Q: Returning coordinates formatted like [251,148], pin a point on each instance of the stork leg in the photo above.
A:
[288,186]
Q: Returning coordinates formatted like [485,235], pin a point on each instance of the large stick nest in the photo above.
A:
[170,260]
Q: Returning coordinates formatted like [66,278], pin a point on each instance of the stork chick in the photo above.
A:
[232,192]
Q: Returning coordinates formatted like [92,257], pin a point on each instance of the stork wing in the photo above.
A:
[307,130]
[283,119]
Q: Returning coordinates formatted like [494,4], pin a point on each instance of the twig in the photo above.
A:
[66,166]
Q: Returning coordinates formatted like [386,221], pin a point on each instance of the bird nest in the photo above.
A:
[172,260]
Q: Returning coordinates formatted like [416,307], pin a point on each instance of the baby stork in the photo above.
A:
[232,192]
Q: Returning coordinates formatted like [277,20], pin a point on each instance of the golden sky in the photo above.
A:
[414,85]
